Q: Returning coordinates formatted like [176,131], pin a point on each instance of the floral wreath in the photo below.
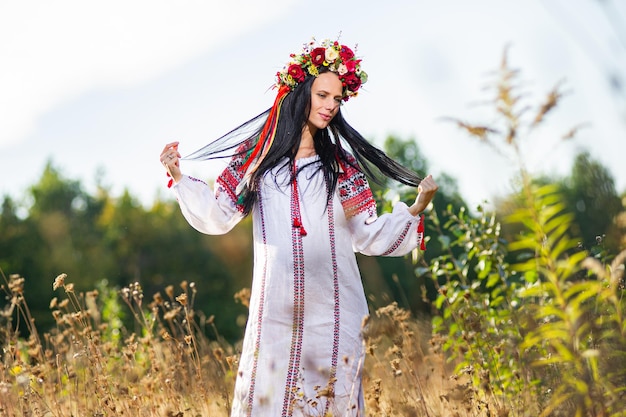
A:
[329,54]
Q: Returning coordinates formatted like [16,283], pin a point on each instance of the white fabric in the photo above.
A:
[333,301]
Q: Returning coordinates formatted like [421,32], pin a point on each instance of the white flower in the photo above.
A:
[22,379]
[331,54]
[342,69]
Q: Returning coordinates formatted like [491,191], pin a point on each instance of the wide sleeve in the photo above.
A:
[209,212]
[391,234]
[212,212]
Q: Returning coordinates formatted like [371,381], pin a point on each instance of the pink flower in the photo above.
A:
[350,65]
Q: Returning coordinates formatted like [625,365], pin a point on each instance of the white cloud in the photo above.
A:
[53,51]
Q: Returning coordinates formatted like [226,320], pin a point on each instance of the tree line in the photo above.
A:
[98,238]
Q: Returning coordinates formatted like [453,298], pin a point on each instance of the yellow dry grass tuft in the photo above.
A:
[90,365]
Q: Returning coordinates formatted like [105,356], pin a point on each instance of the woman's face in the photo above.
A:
[325,100]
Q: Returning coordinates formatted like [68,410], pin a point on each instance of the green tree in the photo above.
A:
[590,193]
[393,279]
[12,236]
[158,248]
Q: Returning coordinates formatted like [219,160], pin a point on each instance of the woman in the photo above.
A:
[312,208]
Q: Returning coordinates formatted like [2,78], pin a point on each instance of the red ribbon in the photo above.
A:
[269,129]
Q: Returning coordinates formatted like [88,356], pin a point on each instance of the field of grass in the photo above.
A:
[174,363]
[90,366]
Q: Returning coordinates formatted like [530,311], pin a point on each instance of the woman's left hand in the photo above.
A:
[426,191]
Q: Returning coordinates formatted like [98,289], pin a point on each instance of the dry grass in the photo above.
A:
[89,365]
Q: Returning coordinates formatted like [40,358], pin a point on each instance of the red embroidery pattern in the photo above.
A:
[197,180]
[230,178]
[403,235]
[399,240]
[354,191]
[336,310]
[257,342]
[298,311]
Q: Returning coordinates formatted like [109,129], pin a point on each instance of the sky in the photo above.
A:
[98,88]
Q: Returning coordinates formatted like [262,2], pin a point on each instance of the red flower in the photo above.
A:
[296,72]
[346,53]
[350,65]
[317,56]
[352,81]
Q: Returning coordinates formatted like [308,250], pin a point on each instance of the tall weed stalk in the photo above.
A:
[545,334]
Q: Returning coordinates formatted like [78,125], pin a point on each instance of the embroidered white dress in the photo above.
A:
[302,352]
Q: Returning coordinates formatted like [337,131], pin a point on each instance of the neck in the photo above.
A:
[307,145]
[308,132]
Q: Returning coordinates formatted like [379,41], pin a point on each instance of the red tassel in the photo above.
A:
[420,229]
[297,220]
[297,223]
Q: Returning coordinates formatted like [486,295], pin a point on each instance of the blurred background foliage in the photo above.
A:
[59,227]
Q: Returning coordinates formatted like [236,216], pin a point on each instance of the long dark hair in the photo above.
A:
[293,117]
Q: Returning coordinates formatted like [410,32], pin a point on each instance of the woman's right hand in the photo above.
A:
[170,158]
[426,191]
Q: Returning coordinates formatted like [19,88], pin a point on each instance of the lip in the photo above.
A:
[325,117]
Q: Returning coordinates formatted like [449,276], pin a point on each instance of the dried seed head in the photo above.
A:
[182,299]
[243,296]
[232,361]
[171,314]
[218,353]
[481,132]
[551,101]
[16,284]
[158,298]
[59,281]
